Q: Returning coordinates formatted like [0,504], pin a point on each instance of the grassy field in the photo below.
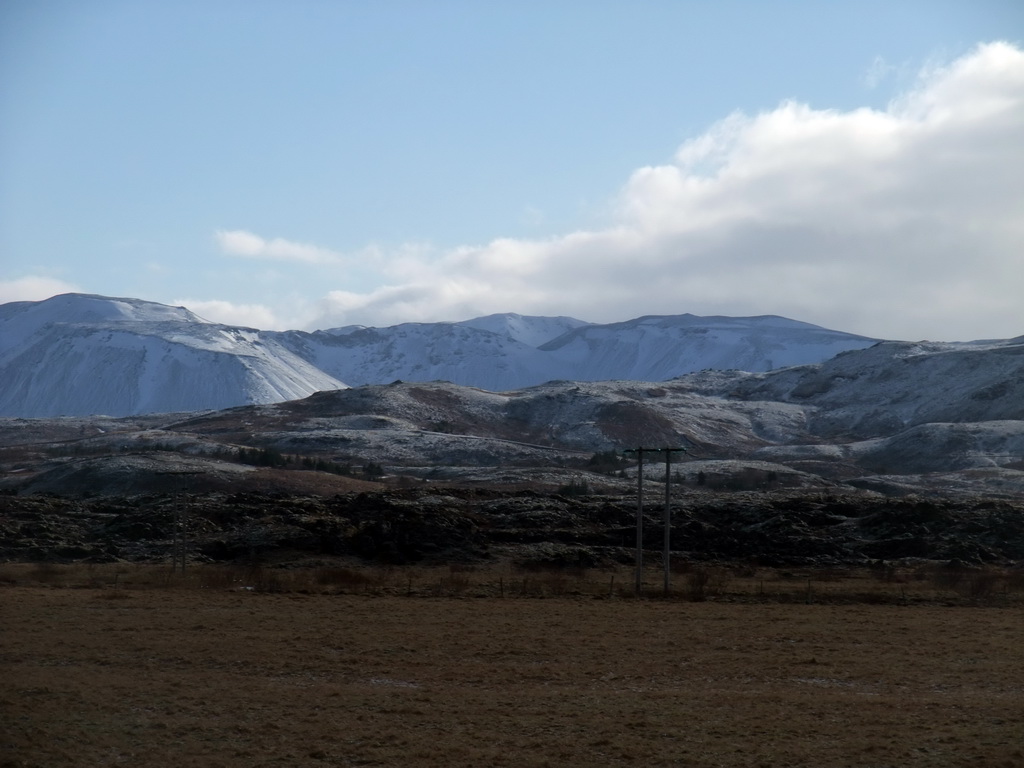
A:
[337,667]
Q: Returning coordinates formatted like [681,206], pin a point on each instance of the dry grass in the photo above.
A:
[912,585]
[208,671]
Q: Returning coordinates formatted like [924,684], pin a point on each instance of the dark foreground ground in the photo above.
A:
[228,676]
[474,525]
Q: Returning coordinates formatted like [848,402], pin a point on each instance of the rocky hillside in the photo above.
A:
[892,409]
[792,427]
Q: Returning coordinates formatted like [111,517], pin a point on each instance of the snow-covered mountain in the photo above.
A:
[894,416]
[78,354]
[896,385]
[504,352]
[453,352]
[655,348]
[530,330]
[895,408]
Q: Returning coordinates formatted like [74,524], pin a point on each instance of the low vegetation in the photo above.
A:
[922,584]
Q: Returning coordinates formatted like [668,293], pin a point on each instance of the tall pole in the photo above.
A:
[184,535]
[176,537]
[667,519]
[179,546]
[639,520]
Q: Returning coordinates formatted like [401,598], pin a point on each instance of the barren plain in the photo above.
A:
[210,673]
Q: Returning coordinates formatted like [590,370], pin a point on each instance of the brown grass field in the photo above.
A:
[456,668]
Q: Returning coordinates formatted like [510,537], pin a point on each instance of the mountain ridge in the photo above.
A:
[893,417]
[82,354]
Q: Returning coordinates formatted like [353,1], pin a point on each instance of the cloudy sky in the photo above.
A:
[315,163]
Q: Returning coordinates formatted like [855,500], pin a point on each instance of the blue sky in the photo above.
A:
[859,165]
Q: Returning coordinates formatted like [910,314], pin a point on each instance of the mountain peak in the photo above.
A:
[92,308]
[82,354]
[526,329]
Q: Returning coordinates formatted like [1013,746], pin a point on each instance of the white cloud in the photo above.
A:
[33,288]
[239,242]
[900,223]
[248,315]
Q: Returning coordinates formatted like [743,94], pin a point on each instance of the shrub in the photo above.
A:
[341,577]
[575,488]
[606,462]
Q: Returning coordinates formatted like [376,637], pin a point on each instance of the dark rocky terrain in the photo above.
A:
[433,525]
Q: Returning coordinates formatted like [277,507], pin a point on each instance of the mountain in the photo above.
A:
[895,407]
[798,465]
[896,417]
[504,352]
[896,385]
[494,352]
[530,330]
[655,348]
[78,354]
[420,352]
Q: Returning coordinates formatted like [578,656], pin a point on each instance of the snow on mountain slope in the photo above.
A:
[942,447]
[76,355]
[530,330]
[453,352]
[656,348]
[894,385]
[440,422]
[503,352]
[924,448]
[811,418]
[21,319]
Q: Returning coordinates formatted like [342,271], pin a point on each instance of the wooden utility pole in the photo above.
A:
[666,556]
[180,542]
[639,520]
[667,517]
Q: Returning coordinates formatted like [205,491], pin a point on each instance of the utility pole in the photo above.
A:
[666,518]
[666,521]
[180,540]
[639,520]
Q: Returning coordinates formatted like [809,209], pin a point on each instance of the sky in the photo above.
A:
[311,164]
